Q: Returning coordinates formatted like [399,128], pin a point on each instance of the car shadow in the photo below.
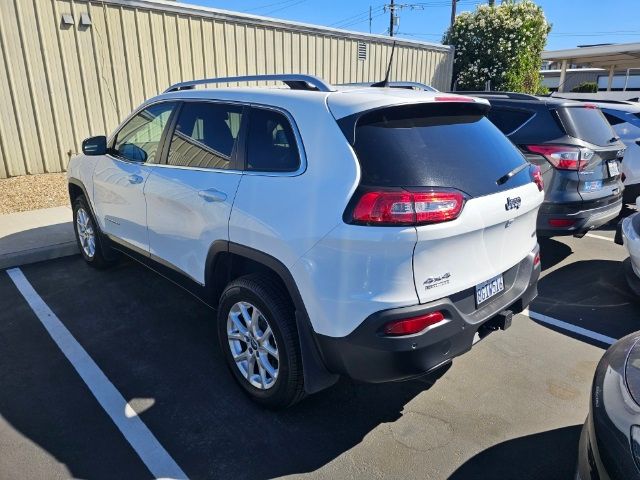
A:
[548,455]
[158,346]
[591,294]
[552,252]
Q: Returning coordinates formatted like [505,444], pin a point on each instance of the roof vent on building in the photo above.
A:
[362,51]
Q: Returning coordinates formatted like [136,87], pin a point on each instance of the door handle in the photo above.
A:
[134,179]
[212,195]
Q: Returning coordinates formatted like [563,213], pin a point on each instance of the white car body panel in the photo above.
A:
[478,245]
[632,243]
[119,201]
[182,224]
[355,271]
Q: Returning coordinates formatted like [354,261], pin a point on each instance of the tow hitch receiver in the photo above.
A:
[503,319]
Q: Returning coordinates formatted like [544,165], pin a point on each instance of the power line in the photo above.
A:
[285,7]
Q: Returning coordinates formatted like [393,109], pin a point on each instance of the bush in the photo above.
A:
[586,87]
[501,44]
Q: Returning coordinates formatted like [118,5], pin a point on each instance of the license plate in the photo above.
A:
[613,168]
[593,186]
[489,289]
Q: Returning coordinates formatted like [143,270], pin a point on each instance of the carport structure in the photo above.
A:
[620,56]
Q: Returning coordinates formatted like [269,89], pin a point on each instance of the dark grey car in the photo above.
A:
[577,151]
[610,441]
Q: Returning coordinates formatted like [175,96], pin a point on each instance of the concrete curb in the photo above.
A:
[36,236]
[38,254]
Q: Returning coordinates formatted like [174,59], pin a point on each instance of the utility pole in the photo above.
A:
[369,18]
[394,7]
[453,11]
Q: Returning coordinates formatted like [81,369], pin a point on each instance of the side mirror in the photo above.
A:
[95,145]
[638,202]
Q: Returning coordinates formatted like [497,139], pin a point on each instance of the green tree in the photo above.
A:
[501,44]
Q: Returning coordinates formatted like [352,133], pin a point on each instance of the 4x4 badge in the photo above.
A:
[513,203]
[436,281]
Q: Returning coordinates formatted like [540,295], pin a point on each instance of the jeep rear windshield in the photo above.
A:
[436,145]
[588,124]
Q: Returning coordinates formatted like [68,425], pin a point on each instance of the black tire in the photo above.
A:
[98,259]
[266,293]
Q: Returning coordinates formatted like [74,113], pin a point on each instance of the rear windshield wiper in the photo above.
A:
[512,173]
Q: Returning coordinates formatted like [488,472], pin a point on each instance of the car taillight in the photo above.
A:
[536,176]
[536,259]
[410,326]
[387,207]
[563,157]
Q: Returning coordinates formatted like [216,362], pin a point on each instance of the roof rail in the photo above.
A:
[512,95]
[293,81]
[407,85]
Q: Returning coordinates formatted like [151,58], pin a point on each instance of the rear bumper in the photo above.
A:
[584,216]
[367,355]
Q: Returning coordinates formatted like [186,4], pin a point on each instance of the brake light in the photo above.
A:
[401,207]
[410,326]
[536,259]
[536,176]
[563,157]
[454,98]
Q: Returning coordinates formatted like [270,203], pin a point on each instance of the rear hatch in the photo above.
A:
[443,153]
[588,158]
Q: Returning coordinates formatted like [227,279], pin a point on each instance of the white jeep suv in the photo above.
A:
[369,232]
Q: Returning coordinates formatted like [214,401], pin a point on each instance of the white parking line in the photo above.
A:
[601,237]
[154,456]
[569,327]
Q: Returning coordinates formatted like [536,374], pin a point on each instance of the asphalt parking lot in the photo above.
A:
[511,408]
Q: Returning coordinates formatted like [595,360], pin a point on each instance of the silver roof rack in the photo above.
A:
[293,81]
[407,85]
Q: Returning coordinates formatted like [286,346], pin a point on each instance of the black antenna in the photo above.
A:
[385,82]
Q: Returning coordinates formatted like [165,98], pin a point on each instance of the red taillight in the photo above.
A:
[563,157]
[561,222]
[409,326]
[536,176]
[384,207]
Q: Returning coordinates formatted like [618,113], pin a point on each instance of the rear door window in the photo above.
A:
[205,135]
[271,143]
[508,120]
[588,124]
[436,145]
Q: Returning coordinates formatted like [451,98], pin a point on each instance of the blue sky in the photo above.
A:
[575,22]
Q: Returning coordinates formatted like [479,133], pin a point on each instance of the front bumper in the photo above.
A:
[368,355]
[585,216]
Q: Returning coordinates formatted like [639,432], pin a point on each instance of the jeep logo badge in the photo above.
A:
[513,203]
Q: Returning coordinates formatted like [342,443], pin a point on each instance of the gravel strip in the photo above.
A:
[32,192]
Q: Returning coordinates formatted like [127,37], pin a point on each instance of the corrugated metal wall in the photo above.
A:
[62,83]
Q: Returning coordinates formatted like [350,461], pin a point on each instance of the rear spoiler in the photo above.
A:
[454,104]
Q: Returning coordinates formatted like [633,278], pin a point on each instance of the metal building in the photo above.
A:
[74,68]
